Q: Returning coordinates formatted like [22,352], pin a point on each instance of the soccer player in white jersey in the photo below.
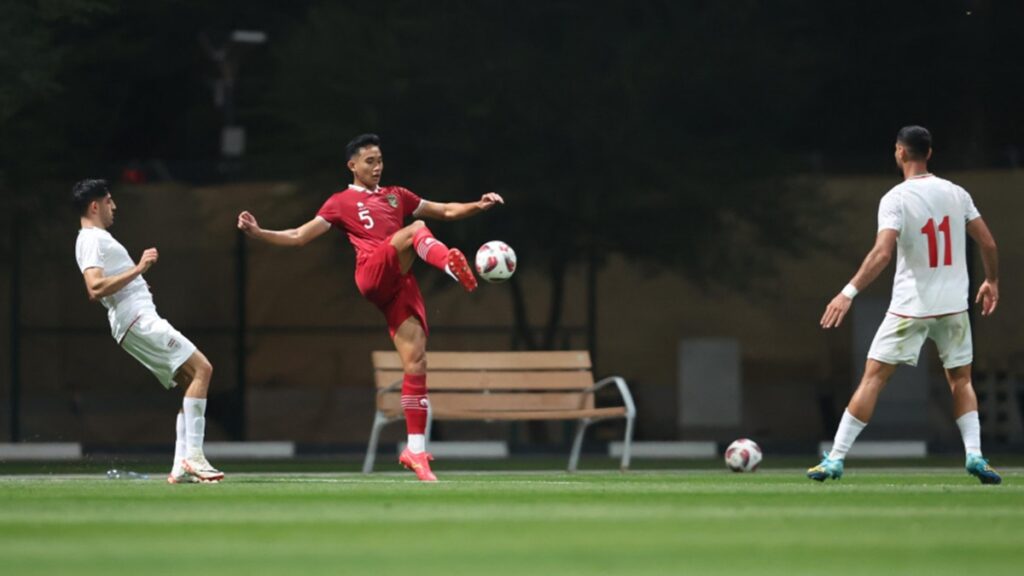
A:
[112,278]
[926,219]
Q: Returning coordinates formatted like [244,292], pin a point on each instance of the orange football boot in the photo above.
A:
[418,463]
[460,268]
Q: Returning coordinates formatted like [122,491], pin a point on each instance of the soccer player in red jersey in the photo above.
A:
[373,216]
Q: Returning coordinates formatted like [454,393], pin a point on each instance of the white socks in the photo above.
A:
[970,430]
[417,443]
[195,425]
[179,442]
[849,428]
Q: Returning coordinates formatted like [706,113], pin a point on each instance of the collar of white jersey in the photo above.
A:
[364,190]
[919,176]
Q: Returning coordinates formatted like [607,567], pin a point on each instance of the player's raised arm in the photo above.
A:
[988,292]
[292,237]
[99,286]
[458,210]
[876,261]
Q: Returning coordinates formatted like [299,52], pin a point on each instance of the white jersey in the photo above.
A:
[96,248]
[931,216]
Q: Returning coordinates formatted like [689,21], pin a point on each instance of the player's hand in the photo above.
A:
[247,223]
[487,201]
[835,311]
[149,257]
[988,295]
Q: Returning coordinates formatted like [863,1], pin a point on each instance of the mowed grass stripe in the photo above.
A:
[652,523]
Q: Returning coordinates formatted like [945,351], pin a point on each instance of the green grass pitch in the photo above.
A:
[874,521]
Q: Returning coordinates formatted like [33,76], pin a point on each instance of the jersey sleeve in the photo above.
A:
[890,213]
[331,212]
[970,210]
[410,201]
[88,253]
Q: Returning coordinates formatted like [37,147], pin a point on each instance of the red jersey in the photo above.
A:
[369,217]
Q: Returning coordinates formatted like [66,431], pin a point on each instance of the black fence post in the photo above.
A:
[241,277]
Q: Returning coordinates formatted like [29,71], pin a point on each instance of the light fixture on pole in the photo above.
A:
[226,57]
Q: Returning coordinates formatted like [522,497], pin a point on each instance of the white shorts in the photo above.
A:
[899,339]
[158,346]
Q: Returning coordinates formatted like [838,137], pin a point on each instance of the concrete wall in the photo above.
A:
[311,334]
[797,378]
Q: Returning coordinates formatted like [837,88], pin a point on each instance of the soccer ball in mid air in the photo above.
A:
[495,261]
[743,455]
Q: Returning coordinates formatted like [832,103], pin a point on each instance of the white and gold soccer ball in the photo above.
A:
[743,455]
[495,261]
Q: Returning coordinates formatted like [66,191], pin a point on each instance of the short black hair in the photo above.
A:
[917,140]
[85,191]
[360,142]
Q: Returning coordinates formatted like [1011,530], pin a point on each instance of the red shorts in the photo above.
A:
[380,280]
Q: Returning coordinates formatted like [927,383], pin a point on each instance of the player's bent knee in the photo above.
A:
[202,368]
[417,364]
[415,367]
[402,240]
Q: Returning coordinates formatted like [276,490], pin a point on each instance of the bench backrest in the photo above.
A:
[492,381]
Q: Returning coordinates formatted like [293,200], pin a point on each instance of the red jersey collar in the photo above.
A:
[364,190]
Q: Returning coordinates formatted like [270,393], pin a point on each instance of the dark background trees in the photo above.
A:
[680,134]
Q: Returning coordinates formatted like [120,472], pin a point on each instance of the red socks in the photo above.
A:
[430,249]
[414,401]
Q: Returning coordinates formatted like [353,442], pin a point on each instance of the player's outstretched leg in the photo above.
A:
[980,469]
[198,368]
[831,465]
[450,260]
[876,375]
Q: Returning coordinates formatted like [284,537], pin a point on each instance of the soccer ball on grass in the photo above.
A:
[495,261]
[743,455]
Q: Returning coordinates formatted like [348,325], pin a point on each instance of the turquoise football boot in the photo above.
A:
[978,466]
[828,468]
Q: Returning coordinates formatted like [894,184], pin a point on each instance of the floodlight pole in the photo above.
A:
[232,145]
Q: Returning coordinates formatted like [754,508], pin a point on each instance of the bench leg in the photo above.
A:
[627,442]
[379,421]
[577,444]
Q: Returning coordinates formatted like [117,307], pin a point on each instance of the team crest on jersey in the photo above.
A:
[392,200]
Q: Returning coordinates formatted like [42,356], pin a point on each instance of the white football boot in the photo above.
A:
[197,466]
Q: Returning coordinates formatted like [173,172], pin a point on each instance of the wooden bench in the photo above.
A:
[502,386]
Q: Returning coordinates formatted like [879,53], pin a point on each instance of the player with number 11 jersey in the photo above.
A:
[926,220]
[930,215]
